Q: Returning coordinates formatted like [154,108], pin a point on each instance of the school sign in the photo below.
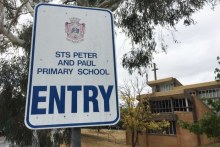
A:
[72,76]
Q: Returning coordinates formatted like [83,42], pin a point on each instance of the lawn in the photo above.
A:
[106,138]
[103,138]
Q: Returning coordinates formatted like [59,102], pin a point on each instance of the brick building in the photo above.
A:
[174,101]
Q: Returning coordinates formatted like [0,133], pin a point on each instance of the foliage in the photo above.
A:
[62,136]
[12,100]
[209,124]
[13,83]
[137,116]
[217,70]
[139,20]
[25,34]
[13,87]
[44,138]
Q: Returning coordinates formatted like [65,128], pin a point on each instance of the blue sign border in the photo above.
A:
[27,122]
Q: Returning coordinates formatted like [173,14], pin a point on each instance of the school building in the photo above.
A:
[174,101]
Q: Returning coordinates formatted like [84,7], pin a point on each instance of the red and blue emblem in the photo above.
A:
[75,31]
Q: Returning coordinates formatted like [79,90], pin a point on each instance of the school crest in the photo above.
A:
[75,30]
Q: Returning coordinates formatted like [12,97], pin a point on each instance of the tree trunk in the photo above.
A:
[34,139]
[1,14]
[134,138]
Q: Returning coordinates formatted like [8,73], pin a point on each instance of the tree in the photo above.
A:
[217,70]
[12,101]
[210,123]
[13,83]
[137,116]
[137,18]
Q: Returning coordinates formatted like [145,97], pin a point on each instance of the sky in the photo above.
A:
[192,60]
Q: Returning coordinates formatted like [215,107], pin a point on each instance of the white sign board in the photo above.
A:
[72,77]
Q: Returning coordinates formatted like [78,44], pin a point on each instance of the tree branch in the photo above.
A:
[29,8]
[97,2]
[14,39]
[83,3]
[68,1]
[19,9]
[110,4]
[1,14]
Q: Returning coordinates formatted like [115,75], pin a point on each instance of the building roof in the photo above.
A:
[199,86]
[165,80]
[179,90]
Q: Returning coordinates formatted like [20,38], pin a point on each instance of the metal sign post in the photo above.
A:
[76,137]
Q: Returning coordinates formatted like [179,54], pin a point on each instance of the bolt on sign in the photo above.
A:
[72,76]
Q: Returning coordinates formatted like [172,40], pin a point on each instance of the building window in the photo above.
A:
[166,87]
[165,106]
[192,93]
[162,106]
[171,130]
[210,93]
[218,92]
[182,105]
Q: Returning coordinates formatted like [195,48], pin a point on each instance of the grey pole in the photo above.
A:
[76,137]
